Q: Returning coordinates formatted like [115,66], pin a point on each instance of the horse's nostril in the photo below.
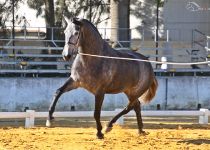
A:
[65,50]
[66,58]
[64,53]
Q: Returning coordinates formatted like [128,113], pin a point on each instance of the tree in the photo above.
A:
[146,11]
[49,13]
[61,10]
[120,21]
[91,9]
[151,19]
[2,10]
[159,3]
[6,7]
[54,10]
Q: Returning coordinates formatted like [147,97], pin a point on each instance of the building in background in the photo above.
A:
[185,16]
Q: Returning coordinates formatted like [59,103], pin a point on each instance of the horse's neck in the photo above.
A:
[91,42]
[94,47]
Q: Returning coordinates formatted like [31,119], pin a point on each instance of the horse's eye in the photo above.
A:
[76,33]
[77,28]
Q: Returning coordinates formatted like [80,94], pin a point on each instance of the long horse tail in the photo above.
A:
[150,93]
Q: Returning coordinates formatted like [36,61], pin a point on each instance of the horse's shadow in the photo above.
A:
[174,126]
[168,126]
[195,141]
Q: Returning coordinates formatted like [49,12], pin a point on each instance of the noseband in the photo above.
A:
[75,44]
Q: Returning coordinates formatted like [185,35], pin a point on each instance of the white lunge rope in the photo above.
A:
[142,60]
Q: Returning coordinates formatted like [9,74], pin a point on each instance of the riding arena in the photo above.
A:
[104,74]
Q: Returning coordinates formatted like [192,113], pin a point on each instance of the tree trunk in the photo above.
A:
[120,18]
[50,22]
[49,16]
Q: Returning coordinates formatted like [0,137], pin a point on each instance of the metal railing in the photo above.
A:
[31,54]
[207,47]
[202,40]
[198,38]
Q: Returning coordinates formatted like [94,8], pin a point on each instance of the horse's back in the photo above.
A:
[134,55]
[131,54]
[128,74]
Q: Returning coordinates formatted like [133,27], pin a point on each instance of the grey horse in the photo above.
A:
[100,75]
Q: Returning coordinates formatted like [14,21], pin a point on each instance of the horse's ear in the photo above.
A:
[77,21]
[66,19]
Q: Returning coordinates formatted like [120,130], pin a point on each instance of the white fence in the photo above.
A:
[30,115]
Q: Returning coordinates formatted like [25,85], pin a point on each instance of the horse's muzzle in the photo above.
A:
[65,53]
[67,58]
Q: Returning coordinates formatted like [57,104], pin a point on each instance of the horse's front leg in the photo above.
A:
[67,86]
[97,114]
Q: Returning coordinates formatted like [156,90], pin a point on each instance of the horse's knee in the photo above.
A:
[127,110]
[58,92]
[96,115]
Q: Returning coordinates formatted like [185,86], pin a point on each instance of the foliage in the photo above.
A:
[92,9]
[44,8]
[6,8]
[146,10]
[37,5]
[160,3]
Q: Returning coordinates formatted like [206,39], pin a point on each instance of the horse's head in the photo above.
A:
[72,38]
[81,33]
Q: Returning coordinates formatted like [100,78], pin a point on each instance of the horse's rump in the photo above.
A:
[150,93]
[129,76]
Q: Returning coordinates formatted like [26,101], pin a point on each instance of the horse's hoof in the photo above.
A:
[143,133]
[100,135]
[48,123]
[108,129]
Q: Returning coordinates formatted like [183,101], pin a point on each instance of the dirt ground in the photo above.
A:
[79,133]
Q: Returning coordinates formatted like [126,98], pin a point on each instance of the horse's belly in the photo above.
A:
[115,88]
[122,82]
[114,91]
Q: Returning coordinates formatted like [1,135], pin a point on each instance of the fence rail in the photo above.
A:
[35,71]
[31,48]
[30,115]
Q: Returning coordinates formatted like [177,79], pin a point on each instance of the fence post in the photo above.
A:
[29,122]
[120,121]
[204,118]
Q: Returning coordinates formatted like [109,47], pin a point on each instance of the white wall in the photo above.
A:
[36,93]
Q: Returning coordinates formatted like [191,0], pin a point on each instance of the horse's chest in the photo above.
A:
[89,77]
[85,74]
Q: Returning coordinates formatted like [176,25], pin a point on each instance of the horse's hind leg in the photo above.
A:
[123,112]
[67,86]
[137,109]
